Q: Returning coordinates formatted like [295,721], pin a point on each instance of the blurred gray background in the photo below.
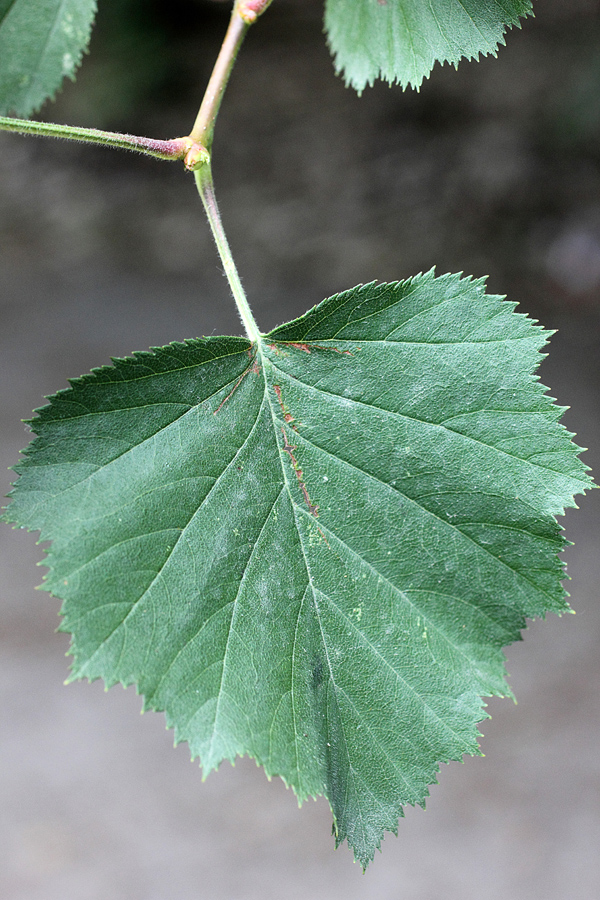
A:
[494,169]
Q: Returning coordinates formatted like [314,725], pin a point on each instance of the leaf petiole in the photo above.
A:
[177,148]
[204,183]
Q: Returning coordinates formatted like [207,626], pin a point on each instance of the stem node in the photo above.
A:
[195,155]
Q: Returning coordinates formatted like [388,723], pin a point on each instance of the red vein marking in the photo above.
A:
[288,417]
[304,347]
[335,350]
[307,348]
[254,368]
[289,449]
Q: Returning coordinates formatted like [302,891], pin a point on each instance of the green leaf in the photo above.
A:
[313,551]
[401,40]
[41,42]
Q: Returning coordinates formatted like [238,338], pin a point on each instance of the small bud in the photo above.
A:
[250,10]
[196,156]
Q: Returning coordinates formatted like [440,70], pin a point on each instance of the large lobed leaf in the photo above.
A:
[41,43]
[314,550]
[401,40]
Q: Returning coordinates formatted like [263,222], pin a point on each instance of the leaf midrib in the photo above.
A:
[479,547]
[41,58]
[298,509]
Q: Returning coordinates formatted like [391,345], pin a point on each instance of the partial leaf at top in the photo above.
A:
[41,43]
[313,551]
[401,40]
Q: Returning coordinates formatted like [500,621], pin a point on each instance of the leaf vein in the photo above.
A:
[436,425]
[234,613]
[364,639]
[175,545]
[428,512]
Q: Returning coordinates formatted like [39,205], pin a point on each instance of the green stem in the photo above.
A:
[205,187]
[174,149]
[204,126]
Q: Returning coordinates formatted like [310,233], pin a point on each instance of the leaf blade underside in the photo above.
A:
[313,552]
[41,43]
[401,40]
